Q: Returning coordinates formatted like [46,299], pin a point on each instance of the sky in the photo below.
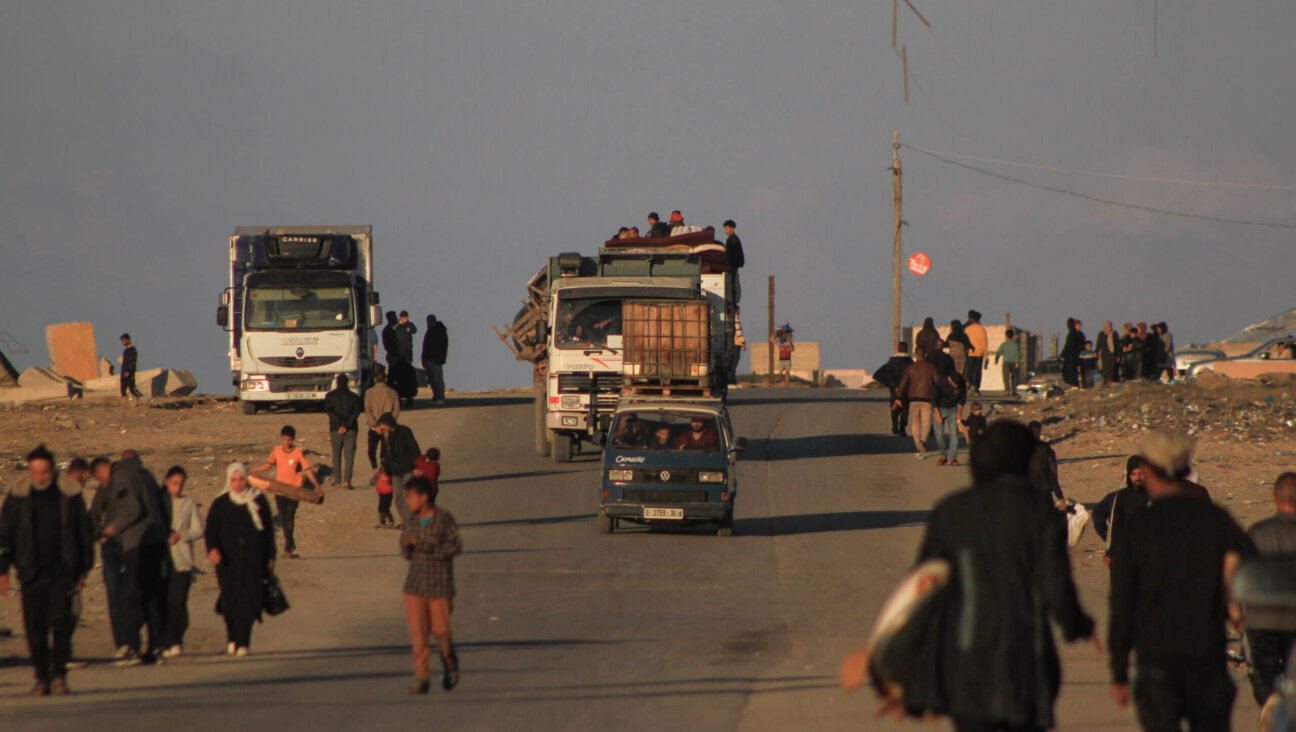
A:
[478,139]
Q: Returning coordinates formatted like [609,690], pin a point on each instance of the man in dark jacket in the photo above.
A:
[657,229]
[1043,472]
[399,451]
[1170,575]
[140,527]
[1270,639]
[889,375]
[129,364]
[45,533]
[1071,349]
[734,256]
[343,408]
[436,345]
[1006,545]
[918,388]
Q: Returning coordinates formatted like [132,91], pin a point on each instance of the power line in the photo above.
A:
[1095,199]
[1143,178]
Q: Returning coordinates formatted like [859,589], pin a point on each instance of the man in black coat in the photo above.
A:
[1071,349]
[399,451]
[45,533]
[1006,545]
[657,229]
[436,345]
[343,408]
[889,375]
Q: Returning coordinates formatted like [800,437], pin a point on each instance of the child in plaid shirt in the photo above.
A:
[429,540]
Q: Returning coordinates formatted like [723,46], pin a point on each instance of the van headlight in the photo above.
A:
[620,475]
[711,476]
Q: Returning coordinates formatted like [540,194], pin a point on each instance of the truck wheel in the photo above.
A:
[541,429]
[562,447]
[606,523]
[250,407]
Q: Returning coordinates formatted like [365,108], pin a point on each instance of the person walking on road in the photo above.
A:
[400,451]
[129,363]
[928,338]
[1043,471]
[918,388]
[1109,351]
[1170,575]
[436,345]
[240,544]
[379,399]
[951,395]
[977,353]
[429,542]
[186,528]
[959,345]
[1269,640]
[140,526]
[1010,575]
[889,375]
[343,408]
[45,534]
[291,467]
[1010,353]
[782,341]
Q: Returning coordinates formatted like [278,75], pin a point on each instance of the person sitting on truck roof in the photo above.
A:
[621,233]
[633,233]
[657,229]
[699,436]
[676,222]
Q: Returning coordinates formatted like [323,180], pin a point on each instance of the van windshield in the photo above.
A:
[666,431]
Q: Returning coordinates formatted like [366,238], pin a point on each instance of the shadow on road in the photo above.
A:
[818,523]
[654,690]
[822,446]
[542,521]
[504,476]
[804,396]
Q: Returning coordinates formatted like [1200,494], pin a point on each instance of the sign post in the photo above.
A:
[919,264]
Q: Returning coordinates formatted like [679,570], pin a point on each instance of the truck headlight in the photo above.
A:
[570,402]
[711,476]
[620,475]
[256,382]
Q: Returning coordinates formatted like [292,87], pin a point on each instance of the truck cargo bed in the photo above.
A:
[667,344]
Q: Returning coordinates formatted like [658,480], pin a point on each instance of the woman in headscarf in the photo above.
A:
[240,544]
[928,339]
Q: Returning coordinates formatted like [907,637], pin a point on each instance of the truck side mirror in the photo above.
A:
[222,316]
[740,444]
[374,299]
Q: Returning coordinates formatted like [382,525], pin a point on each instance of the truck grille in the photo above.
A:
[290,362]
[657,496]
[605,387]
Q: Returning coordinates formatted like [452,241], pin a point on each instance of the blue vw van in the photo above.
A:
[670,462]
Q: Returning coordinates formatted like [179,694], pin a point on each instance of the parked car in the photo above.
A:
[670,462]
[1273,356]
[1186,358]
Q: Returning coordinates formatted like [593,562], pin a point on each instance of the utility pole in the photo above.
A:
[899,222]
[770,335]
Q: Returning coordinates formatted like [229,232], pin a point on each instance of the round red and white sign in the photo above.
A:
[919,264]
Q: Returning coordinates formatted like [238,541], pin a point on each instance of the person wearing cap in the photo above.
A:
[1270,639]
[400,452]
[1170,578]
[676,223]
[657,229]
[129,362]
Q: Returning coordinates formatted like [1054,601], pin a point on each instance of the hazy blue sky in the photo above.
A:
[480,138]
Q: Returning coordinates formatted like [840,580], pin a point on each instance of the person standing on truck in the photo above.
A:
[676,222]
[977,352]
[129,362]
[343,408]
[657,229]
[379,399]
[734,255]
[436,344]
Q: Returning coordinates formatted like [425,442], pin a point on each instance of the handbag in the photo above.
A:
[276,602]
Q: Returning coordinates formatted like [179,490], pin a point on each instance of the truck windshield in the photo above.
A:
[300,308]
[666,431]
[587,322]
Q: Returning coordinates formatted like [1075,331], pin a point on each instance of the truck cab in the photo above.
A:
[670,462]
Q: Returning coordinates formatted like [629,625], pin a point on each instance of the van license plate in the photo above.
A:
[663,513]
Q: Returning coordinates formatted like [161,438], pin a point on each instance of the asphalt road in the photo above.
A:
[559,627]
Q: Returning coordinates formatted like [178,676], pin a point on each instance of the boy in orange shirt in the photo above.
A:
[291,467]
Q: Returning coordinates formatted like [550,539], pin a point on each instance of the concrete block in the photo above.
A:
[72,350]
[8,374]
[37,376]
[170,383]
[105,367]
[104,383]
[49,392]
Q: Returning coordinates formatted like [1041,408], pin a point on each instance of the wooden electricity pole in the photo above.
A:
[770,336]
[899,222]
